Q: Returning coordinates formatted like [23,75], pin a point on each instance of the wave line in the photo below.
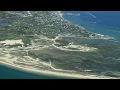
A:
[91,14]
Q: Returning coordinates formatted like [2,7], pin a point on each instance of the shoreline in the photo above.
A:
[31,71]
[49,73]
[54,74]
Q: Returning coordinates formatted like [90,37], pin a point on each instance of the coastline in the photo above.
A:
[33,74]
[8,63]
[54,74]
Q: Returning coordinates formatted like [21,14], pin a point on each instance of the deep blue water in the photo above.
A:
[107,23]
[102,22]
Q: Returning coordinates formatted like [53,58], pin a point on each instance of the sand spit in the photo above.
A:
[6,61]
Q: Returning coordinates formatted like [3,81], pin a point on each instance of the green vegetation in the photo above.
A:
[26,41]
[16,24]
[16,45]
[73,48]
[62,42]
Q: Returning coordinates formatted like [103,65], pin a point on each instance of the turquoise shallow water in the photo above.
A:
[7,72]
[102,25]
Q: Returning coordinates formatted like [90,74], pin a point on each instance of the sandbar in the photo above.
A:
[57,74]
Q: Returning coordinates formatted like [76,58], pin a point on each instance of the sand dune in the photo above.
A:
[8,62]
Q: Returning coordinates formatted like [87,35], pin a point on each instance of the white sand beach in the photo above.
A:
[50,73]
[11,42]
[9,60]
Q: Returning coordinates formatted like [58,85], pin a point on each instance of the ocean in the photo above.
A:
[101,22]
[7,72]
